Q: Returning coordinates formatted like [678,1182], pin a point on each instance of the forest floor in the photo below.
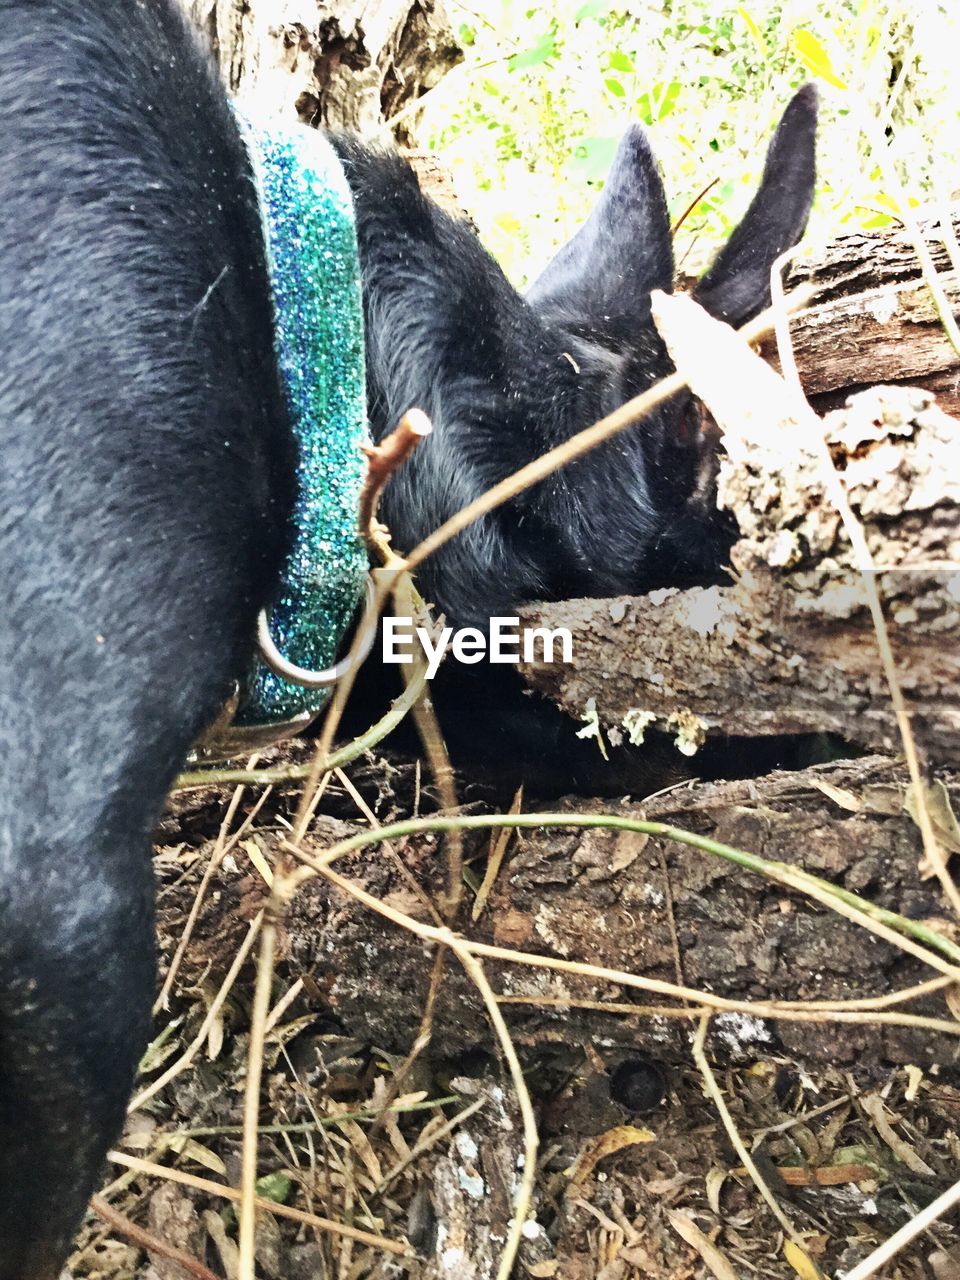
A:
[636,1177]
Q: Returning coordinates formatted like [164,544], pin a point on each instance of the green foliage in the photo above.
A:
[275,1187]
[530,122]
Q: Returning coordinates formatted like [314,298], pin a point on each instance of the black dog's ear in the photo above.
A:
[622,251]
[737,286]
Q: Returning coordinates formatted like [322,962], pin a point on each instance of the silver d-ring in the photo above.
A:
[359,650]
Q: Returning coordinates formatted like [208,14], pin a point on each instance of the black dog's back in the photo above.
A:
[144,492]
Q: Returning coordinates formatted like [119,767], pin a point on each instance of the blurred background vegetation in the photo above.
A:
[529,122]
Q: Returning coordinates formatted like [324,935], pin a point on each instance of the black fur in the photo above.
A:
[144,491]
[146,486]
[505,378]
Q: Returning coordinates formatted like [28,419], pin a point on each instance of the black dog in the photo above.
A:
[147,483]
[505,378]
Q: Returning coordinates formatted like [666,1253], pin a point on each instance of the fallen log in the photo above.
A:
[790,646]
[874,320]
[616,899]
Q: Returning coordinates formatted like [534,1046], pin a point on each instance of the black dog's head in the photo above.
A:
[506,377]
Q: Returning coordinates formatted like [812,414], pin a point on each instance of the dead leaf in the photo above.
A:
[408,903]
[641,1260]
[203,1156]
[914,1074]
[715,1179]
[839,795]
[388,1116]
[288,1031]
[801,1261]
[226,1248]
[825,1175]
[215,1038]
[512,928]
[716,1262]
[363,1148]
[627,848]
[884,799]
[616,1139]
[942,818]
[255,854]
[872,1104]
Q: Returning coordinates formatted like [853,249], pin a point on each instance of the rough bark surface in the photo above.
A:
[874,320]
[617,899]
[789,646]
[338,63]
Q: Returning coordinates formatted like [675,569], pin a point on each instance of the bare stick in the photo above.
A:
[251,1095]
[385,458]
[281,1210]
[531,1139]
[582,442]
[146,1240]
[212,1014]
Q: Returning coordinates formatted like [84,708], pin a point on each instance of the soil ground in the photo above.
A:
[636,1178]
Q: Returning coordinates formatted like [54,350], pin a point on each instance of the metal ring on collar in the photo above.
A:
[279,665]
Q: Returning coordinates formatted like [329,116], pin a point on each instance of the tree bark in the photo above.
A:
[789,646]
[654,908]
[874,321]
[350,64]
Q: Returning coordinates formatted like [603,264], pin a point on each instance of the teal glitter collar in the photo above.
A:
[311,248]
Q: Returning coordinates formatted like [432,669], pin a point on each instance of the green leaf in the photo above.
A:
[615,87]
[592,9]
[275,1187]
[659,102]
[877,222]
[620,62]
[667,98]
[754,30]
[544,49]
[591,158]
